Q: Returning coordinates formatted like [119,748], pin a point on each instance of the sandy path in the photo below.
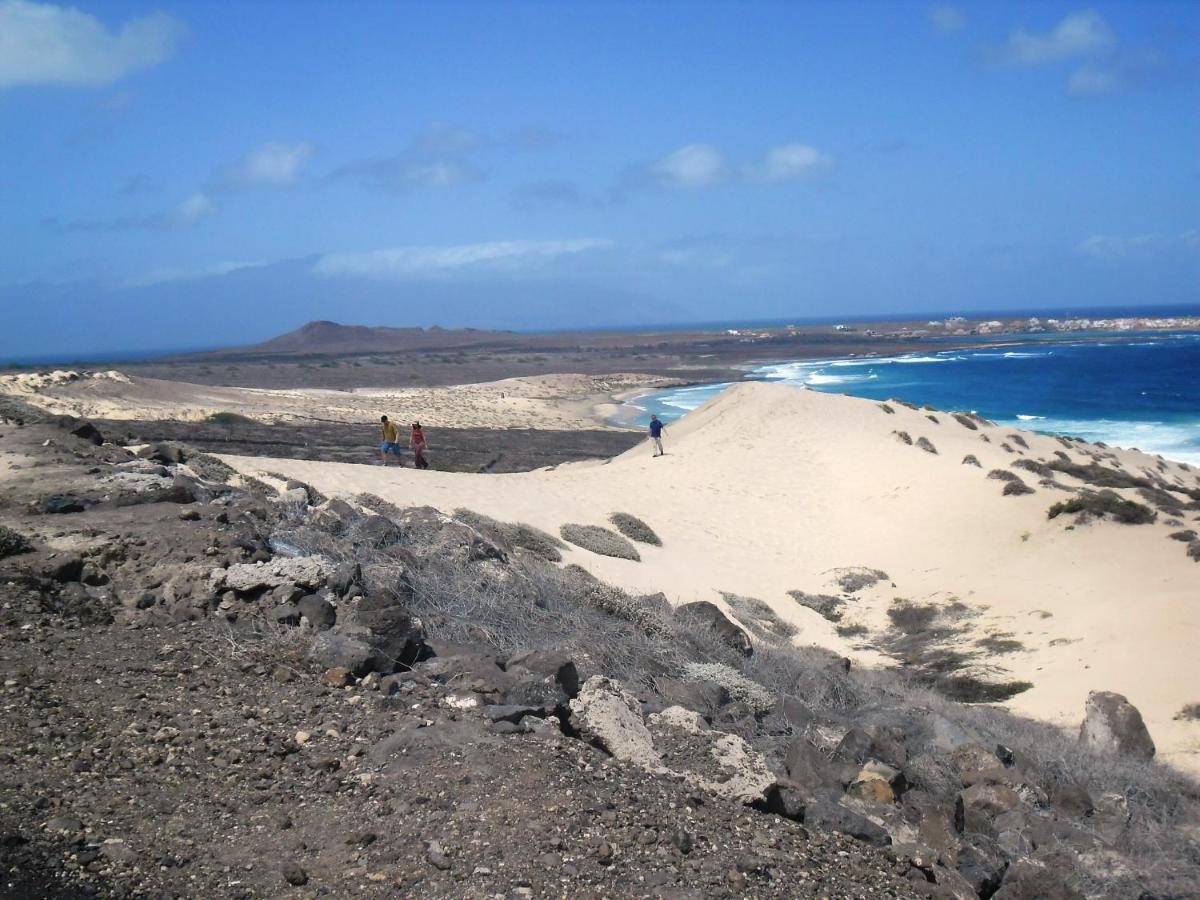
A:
[769,489]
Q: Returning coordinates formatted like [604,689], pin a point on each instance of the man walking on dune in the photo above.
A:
[391,441]
[656,430]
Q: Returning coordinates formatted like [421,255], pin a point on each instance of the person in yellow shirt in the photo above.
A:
[391,441]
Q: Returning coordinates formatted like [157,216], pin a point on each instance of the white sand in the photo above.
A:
[769,488]
[544,401]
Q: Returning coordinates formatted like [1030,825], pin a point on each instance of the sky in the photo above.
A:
[178,175]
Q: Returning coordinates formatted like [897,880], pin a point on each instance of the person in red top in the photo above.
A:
[418,446]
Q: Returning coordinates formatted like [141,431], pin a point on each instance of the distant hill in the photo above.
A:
[323,338]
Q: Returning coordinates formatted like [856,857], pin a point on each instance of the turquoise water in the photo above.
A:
[1138,391]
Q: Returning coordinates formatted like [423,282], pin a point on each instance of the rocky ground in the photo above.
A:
[451,449]
[213,689]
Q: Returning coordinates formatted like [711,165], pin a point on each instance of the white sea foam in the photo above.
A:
[1027,418]
[1175,440]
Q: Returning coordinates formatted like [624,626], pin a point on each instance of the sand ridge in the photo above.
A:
[770,489]
[543,401]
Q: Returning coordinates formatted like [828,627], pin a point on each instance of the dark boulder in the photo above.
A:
[704,614]
[1028,879]
[164,452]
[977,807]
[321,614]
[345,578]
[827,815]
[808,769]
[1113,725]
[377,533]
[856,747]
[982,863]
[88,432]
[60,504]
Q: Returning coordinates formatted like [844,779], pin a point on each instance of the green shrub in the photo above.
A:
[635,529]
[599,540]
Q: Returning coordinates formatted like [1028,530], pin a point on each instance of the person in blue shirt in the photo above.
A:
[656,430]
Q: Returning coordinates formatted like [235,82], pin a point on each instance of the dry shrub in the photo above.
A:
[1016,489]
[1003,475]
[925,444]
[517,534]
[1018,440]
[1034,466]
[825,605]
[600,541]
[903,437]
[887,409]
[965,421]
[1104,503]
[635,529]
[210,468]
[13,542]
[759,617]
[971,460]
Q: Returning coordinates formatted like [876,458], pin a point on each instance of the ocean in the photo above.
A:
[1138,390]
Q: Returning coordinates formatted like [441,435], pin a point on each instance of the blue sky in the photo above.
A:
[178,174]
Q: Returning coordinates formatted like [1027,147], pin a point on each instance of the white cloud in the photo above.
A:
[401,263]
[1114,247]
[194,208]
[696,165]
[41,43]
[1080,34]
[946,18]
[788,162]
[1093,81]
[269,165]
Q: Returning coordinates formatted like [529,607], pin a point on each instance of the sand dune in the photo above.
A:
[769,489]
[544,401]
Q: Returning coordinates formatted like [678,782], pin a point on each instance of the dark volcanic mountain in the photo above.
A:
[324,338]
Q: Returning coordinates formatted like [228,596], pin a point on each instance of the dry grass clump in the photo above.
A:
[887,409]
[965,421]
[900,402]
[737,685]
[1190,713]
[855,578]
[1016,489]
[1193,551]
[925,444]
[759,617]
[1163,500]
[934,419]
[210,468]
[1007,447]
[825,605]
[378,505]
[1018,440]
[258,486]
[1003,475]
[1034,466]
[635,529]
[971,460]
[516,534]
[600,541]
[903,437]
[1104,503]
[1098,475]
[13,542]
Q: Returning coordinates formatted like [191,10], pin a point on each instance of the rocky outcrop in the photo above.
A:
[1113,725]
[249,578]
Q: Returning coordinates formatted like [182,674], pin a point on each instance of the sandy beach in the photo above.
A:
[769,489]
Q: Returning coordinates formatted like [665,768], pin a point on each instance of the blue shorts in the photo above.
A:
[389,447]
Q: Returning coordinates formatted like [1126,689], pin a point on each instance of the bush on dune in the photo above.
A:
[1105,503]
[516,534]
[600,541]
[635,529]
